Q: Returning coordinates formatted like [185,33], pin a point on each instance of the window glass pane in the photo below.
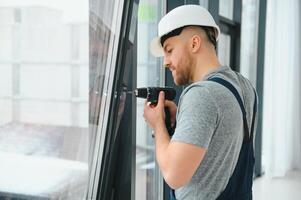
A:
[104,30]
[148,74]
[226,8]
[249,36]
[204,3]
[224,49]
[43,99]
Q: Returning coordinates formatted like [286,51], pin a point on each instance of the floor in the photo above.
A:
[288,187]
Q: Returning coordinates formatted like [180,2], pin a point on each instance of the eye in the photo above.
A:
[169,50]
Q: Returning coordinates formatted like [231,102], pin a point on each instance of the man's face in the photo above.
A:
[177,59]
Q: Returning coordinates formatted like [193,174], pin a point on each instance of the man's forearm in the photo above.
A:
[162,140]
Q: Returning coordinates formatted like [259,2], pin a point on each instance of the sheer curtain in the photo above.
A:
[282,97]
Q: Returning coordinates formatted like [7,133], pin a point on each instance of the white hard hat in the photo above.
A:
[179,17]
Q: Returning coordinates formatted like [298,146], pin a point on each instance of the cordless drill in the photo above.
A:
[152,95]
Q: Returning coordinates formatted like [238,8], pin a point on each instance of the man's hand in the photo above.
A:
[154,114]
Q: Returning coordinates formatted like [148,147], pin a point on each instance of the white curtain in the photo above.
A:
[281,104]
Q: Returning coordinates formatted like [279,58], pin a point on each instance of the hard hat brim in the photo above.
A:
[156,48]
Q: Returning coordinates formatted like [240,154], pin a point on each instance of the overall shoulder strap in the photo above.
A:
[247,136]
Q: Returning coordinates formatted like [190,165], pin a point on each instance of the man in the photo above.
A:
[210,155]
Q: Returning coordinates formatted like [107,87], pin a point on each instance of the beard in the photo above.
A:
[180,78]
[181,74]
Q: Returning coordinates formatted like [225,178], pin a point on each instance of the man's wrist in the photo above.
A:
[159,129]
[160,126]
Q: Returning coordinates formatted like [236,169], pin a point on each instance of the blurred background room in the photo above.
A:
[69,130]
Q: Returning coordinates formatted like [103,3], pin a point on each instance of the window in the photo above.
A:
[149,73]
[224,49]
[104,30]
[226,8]
[249,37]
[44,100]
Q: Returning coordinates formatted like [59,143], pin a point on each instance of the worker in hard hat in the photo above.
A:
[210,155]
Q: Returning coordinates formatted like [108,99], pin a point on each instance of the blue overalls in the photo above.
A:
[239,186]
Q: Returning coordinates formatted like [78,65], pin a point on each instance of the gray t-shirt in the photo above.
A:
[209,116]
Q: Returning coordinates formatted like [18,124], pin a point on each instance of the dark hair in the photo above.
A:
[210,32]
[171,34]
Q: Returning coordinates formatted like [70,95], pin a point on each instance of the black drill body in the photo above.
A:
[152,93]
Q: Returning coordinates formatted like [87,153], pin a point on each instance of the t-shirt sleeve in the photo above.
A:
[197,117]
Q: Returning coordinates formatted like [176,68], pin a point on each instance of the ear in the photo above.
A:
[195,43]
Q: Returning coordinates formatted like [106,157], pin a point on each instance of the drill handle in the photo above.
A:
[169,128]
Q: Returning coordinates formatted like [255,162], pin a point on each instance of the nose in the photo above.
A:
[166,61]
